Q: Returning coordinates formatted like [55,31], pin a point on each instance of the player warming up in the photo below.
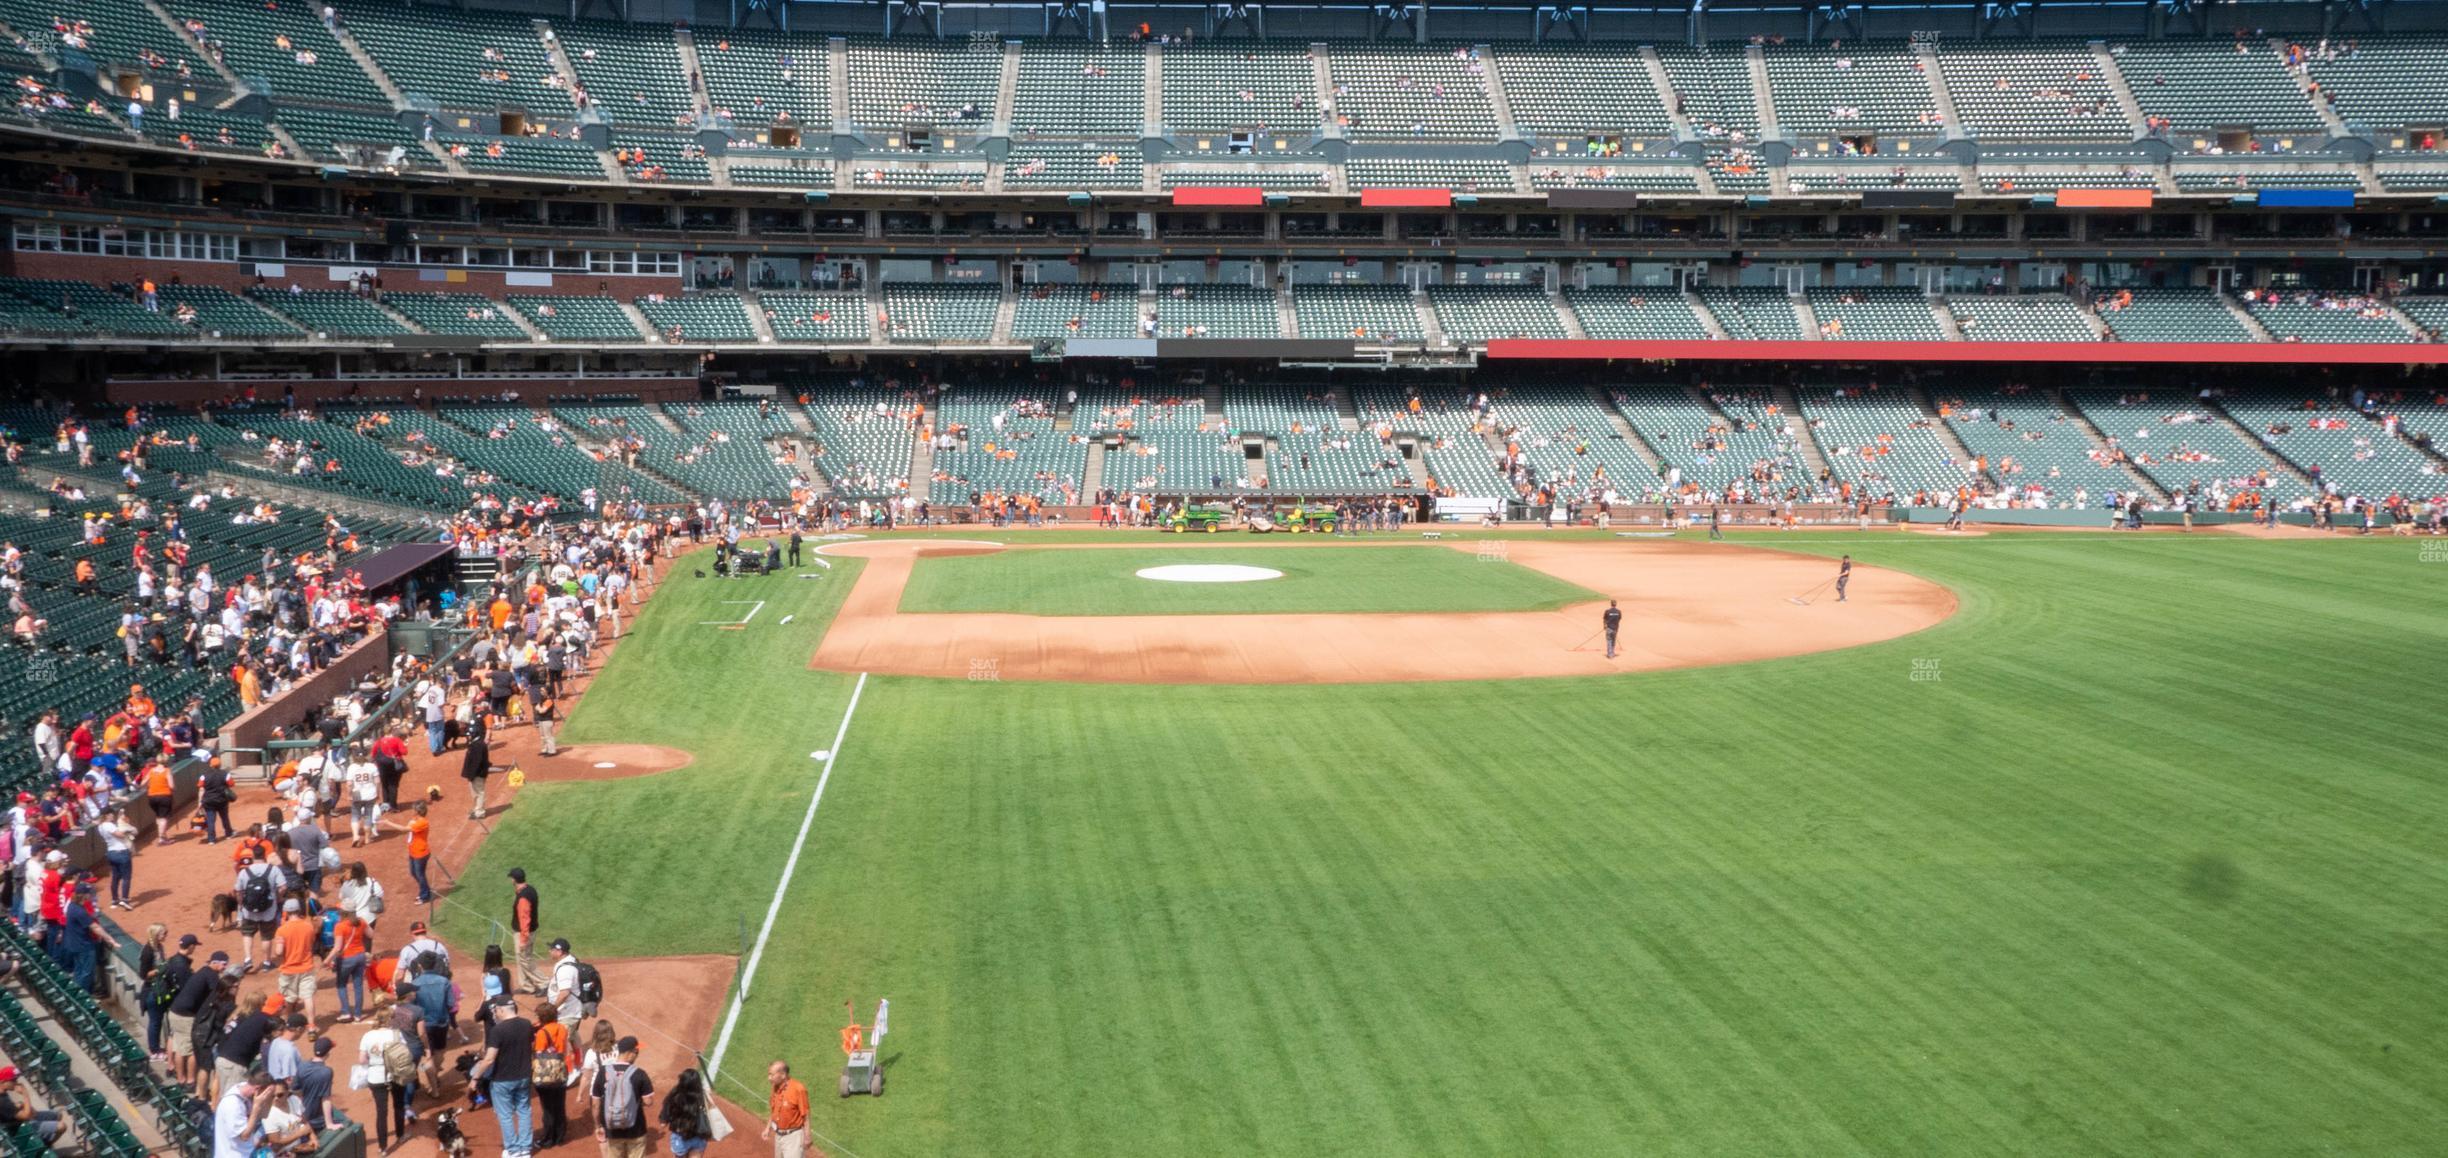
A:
[1613,618]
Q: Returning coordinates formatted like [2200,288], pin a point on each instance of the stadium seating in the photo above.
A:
[2036,181]
[336,312]
[1080,90]
[1458,174]
[700,317]
[1457,456]
[2190,179]
[2038,90]
[1071,166]
[1565,438]
[466,69]
[2384,83]
[527,157]
[661,158]
[2173,315]
[1850,89]
[727,455]
[1636,312]
[863,438]
[901,84]
[370,466]
[1714,82]
[631,72]
[287,48]
[818,175]
[816,317]
[2179,445]
[118,33]
[866,175]
[1386,92]
[1366,313]
[1568,92]
[1259,85]
[1076,310]
[327,134]
[2339,447]
[2034,448]
[461,315]
[1172,445]
[756,78]
[1747,448]
[1478,313]
[2318,317]
[1669,178]
[2426,180]
[207,131]
[2021,318]
[1021,454]
[1275,178]
[2429,315]
[1855,178]
[1753,313]
[1215,311]
[2203,85]
[536,451]
[577,319]
[1309,453]
[940,311]
[218,311]
[101,310]
[1883,442]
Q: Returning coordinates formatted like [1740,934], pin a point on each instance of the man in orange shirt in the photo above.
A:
[296,938]
[787,1114]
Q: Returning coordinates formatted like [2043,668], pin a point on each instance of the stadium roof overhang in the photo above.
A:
[2062,353]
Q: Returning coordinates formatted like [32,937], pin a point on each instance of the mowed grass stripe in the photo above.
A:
[1806,906]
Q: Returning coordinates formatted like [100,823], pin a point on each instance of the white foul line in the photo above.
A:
[742,621]
[722,1041]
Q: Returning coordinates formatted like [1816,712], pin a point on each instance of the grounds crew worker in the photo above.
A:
[1613,620]
[1844,575]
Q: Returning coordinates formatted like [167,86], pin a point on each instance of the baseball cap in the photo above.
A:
[323,1045]
[218,958]
[561,943]
[296,1021]
[7,1074]
[55,856]
[519,875]
[189,941]
[416,926]
[291,906]
[626,1045]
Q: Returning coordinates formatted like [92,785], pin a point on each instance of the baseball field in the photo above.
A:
[2040,843]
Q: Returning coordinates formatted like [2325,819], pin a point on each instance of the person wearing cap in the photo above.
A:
[296,941]
[526,916]
[623,1136]
[313,1085]
[194,994]
[562,991]
[280,1051]
[81,937]
[476,763]
[17,1112]
[508,1069]
[420,942]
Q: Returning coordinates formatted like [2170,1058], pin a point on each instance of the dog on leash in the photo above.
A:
[224,915]
[449,1136]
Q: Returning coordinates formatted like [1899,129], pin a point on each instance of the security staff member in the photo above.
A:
[1613,620]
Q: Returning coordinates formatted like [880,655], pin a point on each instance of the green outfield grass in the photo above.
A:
[2151,865]
[1315,579]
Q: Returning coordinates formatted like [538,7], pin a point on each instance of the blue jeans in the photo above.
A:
[352,984]
[434,736]
[123,874]
[416,870]
[510,1104]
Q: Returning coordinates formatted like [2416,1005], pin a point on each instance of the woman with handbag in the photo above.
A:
[686,1114]
[552,1048]
[386,1067]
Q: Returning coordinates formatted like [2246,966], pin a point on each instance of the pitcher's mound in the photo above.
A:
[1208,573]
[609,761]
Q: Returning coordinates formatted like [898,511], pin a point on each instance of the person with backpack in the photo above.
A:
[622,1093]
[436,1000]
[389,1072]
[576,988]
[258,894]
[164,973]
[187,1010]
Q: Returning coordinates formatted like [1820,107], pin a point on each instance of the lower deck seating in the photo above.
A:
[577,319]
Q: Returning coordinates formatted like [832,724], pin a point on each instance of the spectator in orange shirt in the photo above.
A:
[787,1113]
[296,939]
